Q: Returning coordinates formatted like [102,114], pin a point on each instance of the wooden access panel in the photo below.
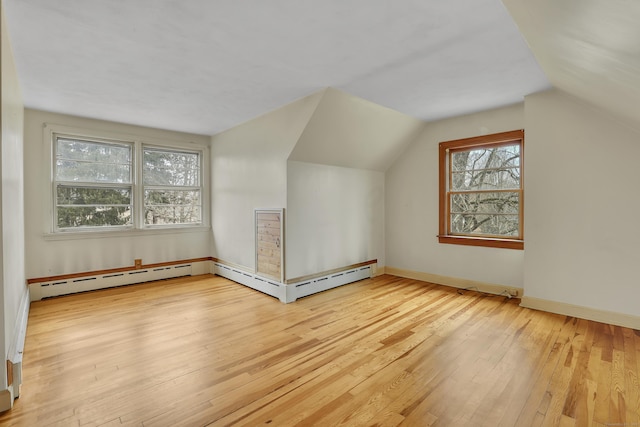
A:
[269,243]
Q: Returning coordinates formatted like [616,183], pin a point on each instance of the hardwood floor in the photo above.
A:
[381,352]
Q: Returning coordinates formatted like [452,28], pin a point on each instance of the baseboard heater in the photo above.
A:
[54,288]
[292,291]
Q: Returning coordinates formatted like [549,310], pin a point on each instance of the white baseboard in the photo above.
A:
[581,312]
[6,399]
[16,348]
[456,282]
[245,277]
[53,288]
[330,281]
[290,292]
[14,356]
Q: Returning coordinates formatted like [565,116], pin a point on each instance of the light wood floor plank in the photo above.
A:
[632,381]
[387,351]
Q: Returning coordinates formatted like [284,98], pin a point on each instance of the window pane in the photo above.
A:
[71,170]
[172,214]
[488,225]
[486,158]
[88,161]
[171,168]
[93,216]
[172,197]
[172,206]
[89,151]
[505,202]
[486,179]
[93,196]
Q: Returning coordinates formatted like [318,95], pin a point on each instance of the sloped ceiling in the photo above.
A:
[588,48]
[205,66]
[348,131]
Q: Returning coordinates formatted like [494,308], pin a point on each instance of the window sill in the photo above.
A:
[482,241]
[97,234]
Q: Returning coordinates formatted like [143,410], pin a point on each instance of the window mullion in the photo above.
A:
[449,175]
[83,184]
[138,189]
[501,190]
[172,187]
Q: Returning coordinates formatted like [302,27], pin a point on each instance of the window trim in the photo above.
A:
[51,131]
[143,186]
[87,184]
[497,139]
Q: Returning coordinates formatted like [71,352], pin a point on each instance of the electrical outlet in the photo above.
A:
[138,263]
[513,292]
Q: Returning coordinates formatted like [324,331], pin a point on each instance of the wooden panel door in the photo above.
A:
[269,243]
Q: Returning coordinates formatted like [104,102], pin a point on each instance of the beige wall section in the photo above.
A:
[51,257]
[335,217]
[249,171]
[352,132]
[12,254]
[412,207]
[581,211]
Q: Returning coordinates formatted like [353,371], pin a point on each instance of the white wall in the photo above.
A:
[582,205]
[412,207]
[47,257]
[352,132]
[335,217]
[249,171]
[12,269]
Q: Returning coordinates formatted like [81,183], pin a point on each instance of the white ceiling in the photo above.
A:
[204,66]
[588,48]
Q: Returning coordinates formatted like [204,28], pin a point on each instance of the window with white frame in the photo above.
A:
[93,183]
[103,184]
[172,193]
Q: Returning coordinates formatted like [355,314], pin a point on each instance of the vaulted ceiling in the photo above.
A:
[588,48]
[204,66]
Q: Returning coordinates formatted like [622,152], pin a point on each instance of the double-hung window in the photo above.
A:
[172,193]
[481,191]
[93,183]
[107,184]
